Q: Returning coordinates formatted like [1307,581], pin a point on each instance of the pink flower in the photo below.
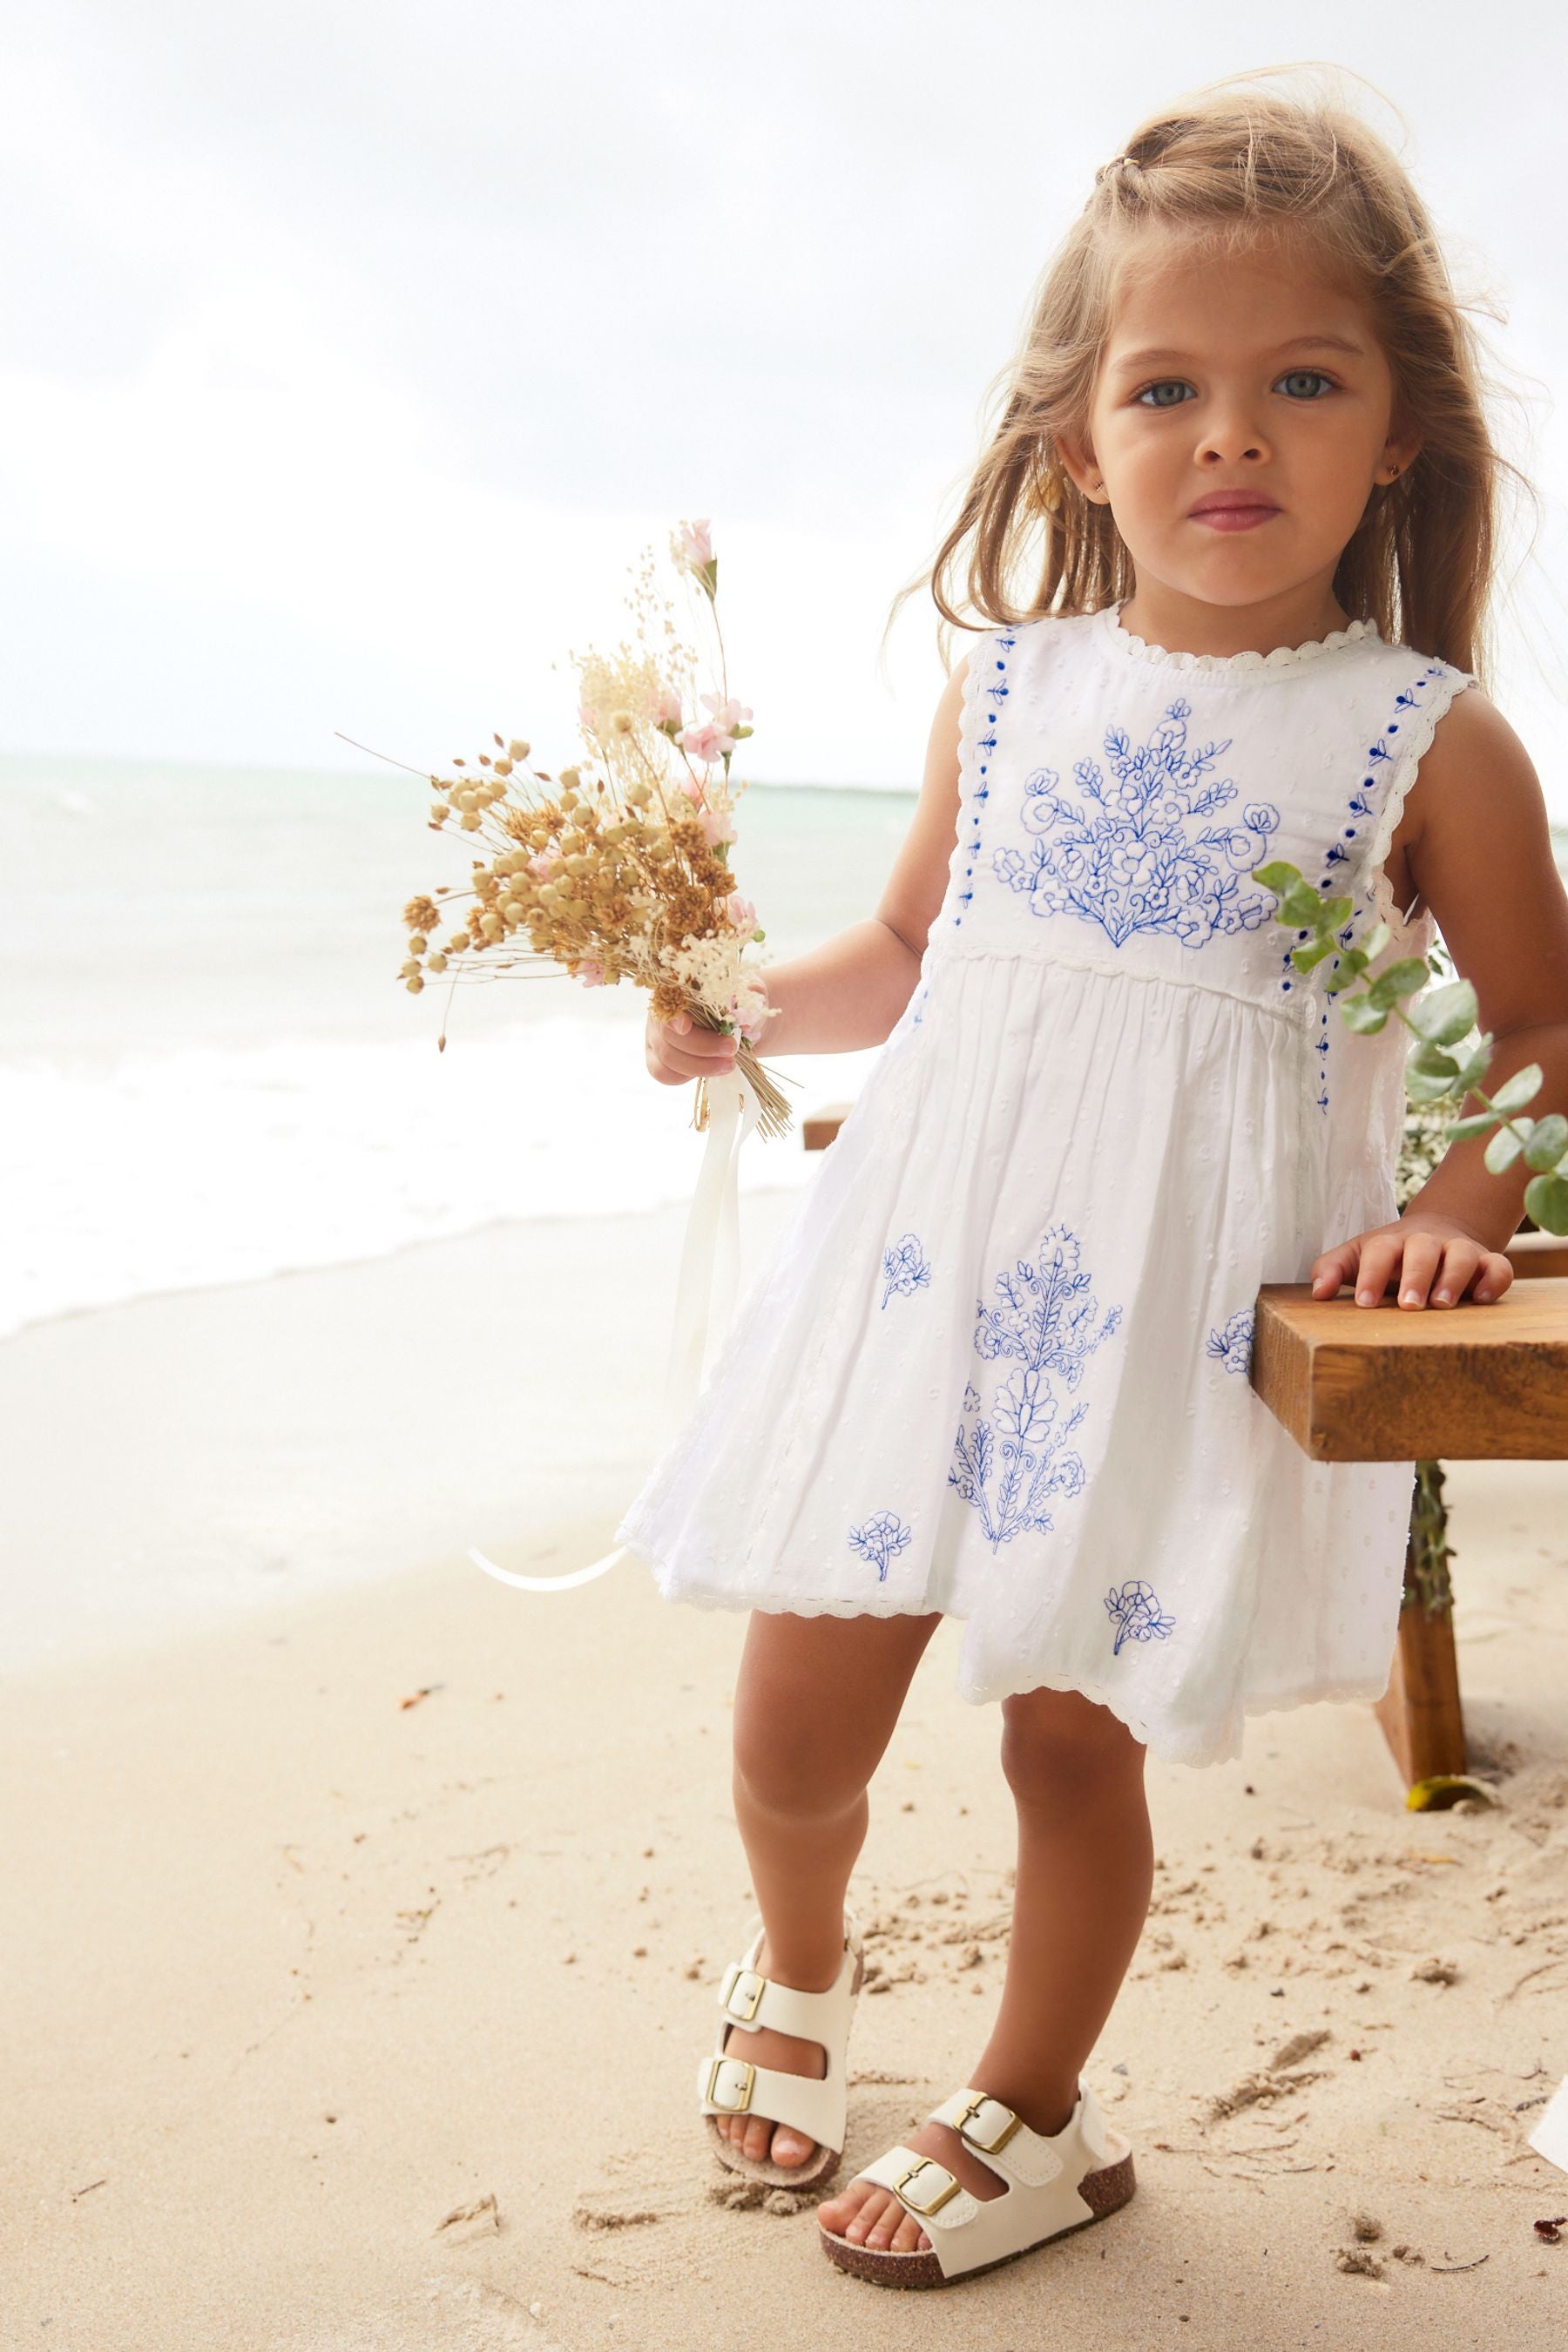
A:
[590,973]
[718,826]
[694,788]
[727,715]
[664,708]
[548,856]
[706,742]
[755,1000]
[741,913]
[694,547]
[715,737]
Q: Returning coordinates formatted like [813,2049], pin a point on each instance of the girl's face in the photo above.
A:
[1241,416]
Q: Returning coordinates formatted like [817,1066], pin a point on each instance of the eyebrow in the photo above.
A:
[1296,343]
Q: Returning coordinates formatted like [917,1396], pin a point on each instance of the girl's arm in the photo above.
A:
[1477,848]
[850,991]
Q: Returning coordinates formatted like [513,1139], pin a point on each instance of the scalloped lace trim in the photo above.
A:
[1133,647]
[970,715]
[1198,1753]
[1444,692]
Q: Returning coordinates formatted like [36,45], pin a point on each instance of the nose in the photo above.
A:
[1230,438]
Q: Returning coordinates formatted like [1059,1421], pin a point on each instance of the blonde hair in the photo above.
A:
[1226,166]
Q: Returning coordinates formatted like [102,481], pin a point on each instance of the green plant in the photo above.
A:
[1448,1060]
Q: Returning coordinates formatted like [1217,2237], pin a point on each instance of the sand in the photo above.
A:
[364,1921]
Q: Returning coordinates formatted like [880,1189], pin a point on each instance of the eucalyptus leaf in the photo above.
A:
[1506,1145]
[1447,1014]
[1277,877]
[1548,1141]
[1363,1016]
[1463,1128]
[1336,913]
[1401,979]
[1426,1085]
[1433,1063]
[1546,1199]
[1522,1088]
[1373,942]
[1299,904]
[1305,958]
[1474,1066]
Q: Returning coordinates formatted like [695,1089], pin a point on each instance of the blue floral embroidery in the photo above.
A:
[1135,1612]
[906,1267]
[1124,856]
[985,745]
[880,1539]
[1359,807]
[1016,1457]
[1231,1345]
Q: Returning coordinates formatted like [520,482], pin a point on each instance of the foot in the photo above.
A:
[751,2135]
[869,2215]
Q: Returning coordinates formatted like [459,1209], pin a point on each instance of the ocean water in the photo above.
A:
[210,1072]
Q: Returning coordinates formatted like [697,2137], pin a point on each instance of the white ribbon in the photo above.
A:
[705,1296]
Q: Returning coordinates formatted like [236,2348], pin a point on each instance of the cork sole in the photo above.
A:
[815,2173]
[1105,2190]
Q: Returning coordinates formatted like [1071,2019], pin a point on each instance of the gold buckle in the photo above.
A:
[742,2104]
[745,2005]
[935,2204]
[971,2110]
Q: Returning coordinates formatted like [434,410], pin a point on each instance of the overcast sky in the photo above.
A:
[354,348]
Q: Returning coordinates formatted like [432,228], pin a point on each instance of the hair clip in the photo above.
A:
[1111,166]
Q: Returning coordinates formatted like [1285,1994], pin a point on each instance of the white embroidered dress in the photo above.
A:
[997,1365]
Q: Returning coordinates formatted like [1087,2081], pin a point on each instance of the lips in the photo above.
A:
[1232,509]
[1212,498]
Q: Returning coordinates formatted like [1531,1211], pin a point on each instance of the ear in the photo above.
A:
[1398,454]
[1077,456]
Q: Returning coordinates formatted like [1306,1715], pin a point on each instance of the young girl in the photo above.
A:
[1231,541]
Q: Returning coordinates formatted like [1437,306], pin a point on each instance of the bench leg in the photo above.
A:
[1421,1714]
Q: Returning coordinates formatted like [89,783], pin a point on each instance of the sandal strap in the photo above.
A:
[748,1997]
[807,2103]
[1042,2195]
[1001,2137]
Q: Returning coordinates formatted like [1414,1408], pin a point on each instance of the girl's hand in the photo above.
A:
[1420,1253]
[676,1051]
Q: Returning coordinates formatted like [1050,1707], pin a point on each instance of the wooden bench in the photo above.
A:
[1386,1384]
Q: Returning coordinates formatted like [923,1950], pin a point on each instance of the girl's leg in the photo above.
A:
[815,1702]
[1086,1869]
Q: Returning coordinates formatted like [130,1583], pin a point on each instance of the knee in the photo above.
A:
[1056,1740]
[794,1772]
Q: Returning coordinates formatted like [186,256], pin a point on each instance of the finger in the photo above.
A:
[1379,1257]
[1460,1260]
[685,1061]
[1334,1268]
[706,1045]
[1423,1254]
[1495,1276]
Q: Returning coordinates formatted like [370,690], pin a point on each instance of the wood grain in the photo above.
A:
[1390,1384]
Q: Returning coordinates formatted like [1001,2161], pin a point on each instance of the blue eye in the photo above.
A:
[1167,383]
[1298,376]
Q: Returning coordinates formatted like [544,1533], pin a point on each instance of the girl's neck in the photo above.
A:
[1179,624]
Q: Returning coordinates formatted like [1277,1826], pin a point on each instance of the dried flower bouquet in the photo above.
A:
[617,867]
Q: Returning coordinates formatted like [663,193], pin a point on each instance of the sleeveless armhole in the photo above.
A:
[1436,692]
[985,697]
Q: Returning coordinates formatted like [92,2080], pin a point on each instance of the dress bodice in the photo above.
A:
[1115,798]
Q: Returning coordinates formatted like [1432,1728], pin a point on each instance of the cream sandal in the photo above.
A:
[732,2087]
[1054,2185]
